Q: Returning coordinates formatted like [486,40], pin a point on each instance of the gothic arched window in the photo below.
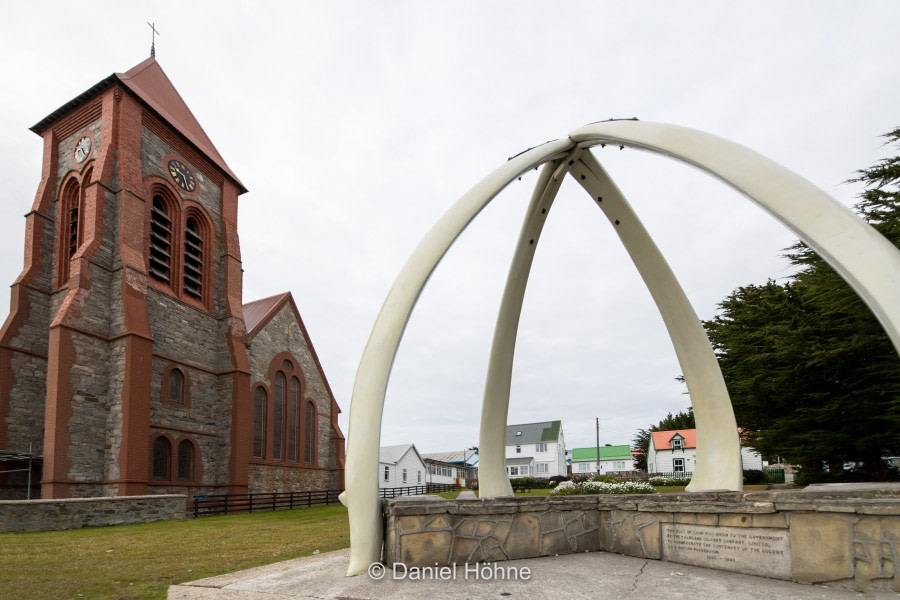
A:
[161,218]
[185,461]
[176,386]
[70,227]
[162,458]
[293,425]
[278,421]
[309,451]
[193,258]
[259,422]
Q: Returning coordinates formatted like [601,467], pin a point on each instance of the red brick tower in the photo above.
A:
[123,358]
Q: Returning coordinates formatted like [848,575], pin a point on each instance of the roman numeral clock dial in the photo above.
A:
[182,176]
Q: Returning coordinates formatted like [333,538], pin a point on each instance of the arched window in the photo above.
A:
[160,240]
[162,458]
[309,453]
[70,229]
[259,423]
[185,461]
[193,258]
[278,424]
[293,418]
[176,386]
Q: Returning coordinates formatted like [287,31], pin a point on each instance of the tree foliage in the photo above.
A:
[812,375]
[641,440]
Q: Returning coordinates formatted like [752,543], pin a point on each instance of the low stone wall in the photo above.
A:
[72,513]
[846,536]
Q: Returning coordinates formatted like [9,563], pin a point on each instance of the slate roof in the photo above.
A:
[151,85]
[532,433]
[621,452]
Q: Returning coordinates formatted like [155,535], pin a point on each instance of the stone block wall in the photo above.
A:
[847,537]
[74,513]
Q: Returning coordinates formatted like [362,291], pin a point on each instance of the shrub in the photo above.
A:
[754,477]
[557,479]
[660,480]
[571,488]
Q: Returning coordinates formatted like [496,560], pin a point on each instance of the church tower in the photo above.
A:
[124,360]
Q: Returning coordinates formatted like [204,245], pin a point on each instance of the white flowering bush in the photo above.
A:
[570,488]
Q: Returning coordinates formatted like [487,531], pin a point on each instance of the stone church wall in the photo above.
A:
[281,332]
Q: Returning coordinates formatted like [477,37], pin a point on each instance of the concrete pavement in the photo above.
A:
[595,575]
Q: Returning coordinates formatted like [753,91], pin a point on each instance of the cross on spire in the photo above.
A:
[153,41]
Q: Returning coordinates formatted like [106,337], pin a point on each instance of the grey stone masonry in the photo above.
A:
[847,536]
[73,513]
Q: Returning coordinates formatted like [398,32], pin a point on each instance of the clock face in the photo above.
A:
[83,148]
[182,176]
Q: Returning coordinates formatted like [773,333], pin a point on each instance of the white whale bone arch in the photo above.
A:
[719,440]
[869,263]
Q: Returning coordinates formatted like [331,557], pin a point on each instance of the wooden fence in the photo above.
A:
[224,504]
[418,490]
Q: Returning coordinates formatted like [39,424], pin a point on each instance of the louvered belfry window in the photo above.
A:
[193,259]
[160,241]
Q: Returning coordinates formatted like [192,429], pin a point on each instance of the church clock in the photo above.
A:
[83,148]
[182,176]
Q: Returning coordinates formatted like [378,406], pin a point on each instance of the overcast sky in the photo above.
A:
[355,125]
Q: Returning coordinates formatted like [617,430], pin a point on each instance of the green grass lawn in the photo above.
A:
[142,561]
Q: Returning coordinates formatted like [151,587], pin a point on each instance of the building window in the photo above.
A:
[309,451]
[176,386]
[278,424]
[293,419]
[160,240]
[193,259]
[584,467]
[540,447]
[404,475]
[518,449]
[387,473]
[677,443]
[162,458]
[185,461]
[259,422]
[70,228]
[541,468]
[418,476]
[678,465]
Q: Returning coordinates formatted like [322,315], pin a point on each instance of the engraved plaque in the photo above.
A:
[753,551]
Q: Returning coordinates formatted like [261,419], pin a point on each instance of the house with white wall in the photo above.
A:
[400,466]
[535,450]
[613,459]
[675,451]
[459,468]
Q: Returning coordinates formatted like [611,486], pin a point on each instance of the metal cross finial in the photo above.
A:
[153,41]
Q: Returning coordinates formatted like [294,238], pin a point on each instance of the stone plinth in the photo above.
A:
[848,536]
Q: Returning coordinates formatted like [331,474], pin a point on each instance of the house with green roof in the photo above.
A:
[535,450]
[613,459]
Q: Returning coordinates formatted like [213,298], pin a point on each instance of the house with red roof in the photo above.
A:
[675,452]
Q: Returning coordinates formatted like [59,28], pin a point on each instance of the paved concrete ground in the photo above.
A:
[595,575]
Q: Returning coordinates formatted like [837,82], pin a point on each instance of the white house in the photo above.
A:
[400,466]
[613,459]
[460,468]
[535,450]
[675,451]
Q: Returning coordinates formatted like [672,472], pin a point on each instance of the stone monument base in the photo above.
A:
[843,535]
